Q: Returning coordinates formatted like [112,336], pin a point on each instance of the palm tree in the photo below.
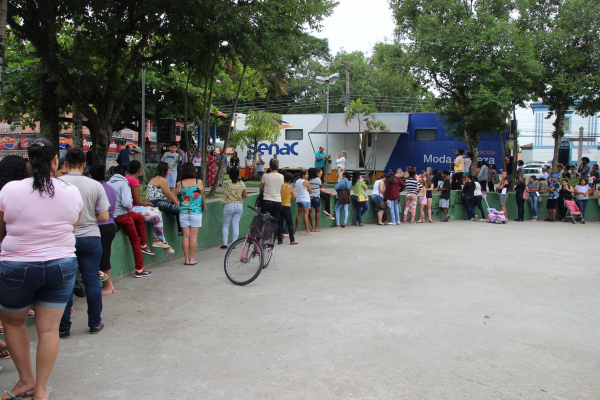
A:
[374,127]
[362,113]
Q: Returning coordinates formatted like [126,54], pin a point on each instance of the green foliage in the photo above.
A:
[260,126]
[566,41]
[471,53]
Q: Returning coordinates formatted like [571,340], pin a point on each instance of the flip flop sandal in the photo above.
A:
[31,313]
[1,329]
[6,356]
[25,395]
[103,277]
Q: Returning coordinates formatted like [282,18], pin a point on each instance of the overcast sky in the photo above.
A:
[358,25]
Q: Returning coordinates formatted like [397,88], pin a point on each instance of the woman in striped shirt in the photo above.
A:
[412,188]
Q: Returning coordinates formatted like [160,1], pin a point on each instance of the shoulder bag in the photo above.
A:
[259,200]
[526,194]
[344,196]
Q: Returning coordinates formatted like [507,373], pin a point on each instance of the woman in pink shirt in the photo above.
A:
[37,218]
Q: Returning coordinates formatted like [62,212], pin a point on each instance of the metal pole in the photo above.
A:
[580,147]
[142,136]
[327,137]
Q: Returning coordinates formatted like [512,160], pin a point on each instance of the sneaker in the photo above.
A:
[146,250]
[343,225]
[391,223]
[398,223]
[160,245]
[143,273]
[476,218]
[96,329]
[64,334]
[336,226]
[169,250]
[445,219]
[582,221]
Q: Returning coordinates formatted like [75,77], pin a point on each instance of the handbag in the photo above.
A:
[344,196]
[496,179]
[382,205]
[259,200]
[526,194]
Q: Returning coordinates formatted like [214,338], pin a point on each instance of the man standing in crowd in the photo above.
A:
[132,223]
[445,195]
[171,158]
[88,246]
[459,168]
[63,152]
[584,169]
[483,176]
[543,175]
[553,190]
[123,158]
[260,166]
[321,158]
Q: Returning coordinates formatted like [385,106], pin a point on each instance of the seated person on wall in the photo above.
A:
[146,209]
[159,194]
[132,223]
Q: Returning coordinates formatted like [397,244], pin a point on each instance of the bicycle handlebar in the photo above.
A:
[254,209]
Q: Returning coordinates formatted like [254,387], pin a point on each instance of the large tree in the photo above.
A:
[566,39]
[472,54]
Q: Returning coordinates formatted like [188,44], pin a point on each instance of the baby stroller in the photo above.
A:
[572,211]
[494,216]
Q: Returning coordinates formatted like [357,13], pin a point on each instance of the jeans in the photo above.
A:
[470,202]
[339,206]
[582,204]
[479,205]
[168,208]
[232,212]
[133,226]
[89,253]
[534,202]
[361,208]
[285,216]
[47,283]
[395,211]
[260,175]
[520,206]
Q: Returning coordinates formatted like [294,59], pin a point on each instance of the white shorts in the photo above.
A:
[172,180]
[444,203]
[193,220]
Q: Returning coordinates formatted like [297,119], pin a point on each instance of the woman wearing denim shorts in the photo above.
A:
[190,191]
[37,218]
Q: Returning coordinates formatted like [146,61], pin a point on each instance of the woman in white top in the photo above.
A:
[249,164]
[478,198]
[377,196]
[341,164]
[270,185]
[303,192]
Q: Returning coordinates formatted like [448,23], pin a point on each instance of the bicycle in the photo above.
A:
[248,256]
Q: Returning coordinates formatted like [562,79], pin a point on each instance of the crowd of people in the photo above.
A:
[56,223]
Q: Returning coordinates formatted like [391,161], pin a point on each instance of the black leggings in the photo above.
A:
[272,207]
[107,234]
[325,202]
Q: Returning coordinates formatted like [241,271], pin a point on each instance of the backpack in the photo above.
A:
[496,179]
[344,196]
[119,159]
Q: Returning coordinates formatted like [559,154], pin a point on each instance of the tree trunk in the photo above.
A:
[77,129]
[208,84]
[254,171]
[185,124]
[100,138]
[220,171]
[47,100]
[3,12]
[558,134]
[375,158]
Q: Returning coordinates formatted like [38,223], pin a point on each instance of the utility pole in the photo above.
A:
[580,146]
[347,85]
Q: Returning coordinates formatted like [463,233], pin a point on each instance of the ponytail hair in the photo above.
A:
[41,153]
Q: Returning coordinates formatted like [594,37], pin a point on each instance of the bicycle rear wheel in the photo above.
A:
[267,255]
[243,261]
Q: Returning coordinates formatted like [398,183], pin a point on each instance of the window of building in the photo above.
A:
[425,134]
[294,134]
[567,125]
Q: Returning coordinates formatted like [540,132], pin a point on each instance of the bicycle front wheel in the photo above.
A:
[243,261]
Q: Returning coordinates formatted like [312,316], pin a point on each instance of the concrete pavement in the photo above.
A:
[402,312]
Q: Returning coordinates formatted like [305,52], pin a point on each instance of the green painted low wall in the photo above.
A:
[210,233]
